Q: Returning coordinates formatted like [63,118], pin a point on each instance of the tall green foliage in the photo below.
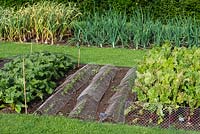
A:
[137,31]
[101,30]
[46,22]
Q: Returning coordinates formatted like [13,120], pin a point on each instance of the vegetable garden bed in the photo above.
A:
[103,93]
[78,84]
[33,105]
[167,88]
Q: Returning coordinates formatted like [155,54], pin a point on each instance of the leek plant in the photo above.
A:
[139,31]
[101,30]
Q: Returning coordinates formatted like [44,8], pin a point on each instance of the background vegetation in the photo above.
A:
[52,23]
[45,22]
[160,8]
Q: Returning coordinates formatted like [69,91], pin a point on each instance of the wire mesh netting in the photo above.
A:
[181,118]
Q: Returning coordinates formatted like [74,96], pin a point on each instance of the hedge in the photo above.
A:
[159,8]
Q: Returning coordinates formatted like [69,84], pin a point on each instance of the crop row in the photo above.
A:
[140,31]
[42,70]
[44,22]
[168,78]
[49,22]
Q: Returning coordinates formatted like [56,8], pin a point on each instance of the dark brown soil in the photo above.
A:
[103,103]
[3,61]
[147,118]
[111,91]
[71,104]
[72,71]
[7,110]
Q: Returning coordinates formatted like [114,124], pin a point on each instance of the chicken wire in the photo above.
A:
[182,118]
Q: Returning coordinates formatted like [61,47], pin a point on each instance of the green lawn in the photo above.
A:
[118,57]
[30,124]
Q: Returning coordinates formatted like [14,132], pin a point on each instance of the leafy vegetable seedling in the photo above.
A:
[42,71]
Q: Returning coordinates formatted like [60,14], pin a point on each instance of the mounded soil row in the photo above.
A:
[88,100]
[63,95]
[92,93]
[117,103]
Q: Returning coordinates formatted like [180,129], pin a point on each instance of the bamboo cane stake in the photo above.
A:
[24,82]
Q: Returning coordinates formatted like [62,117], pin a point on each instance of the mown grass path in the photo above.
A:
[115,56]
[30,124]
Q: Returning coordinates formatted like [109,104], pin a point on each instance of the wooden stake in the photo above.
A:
[24,81]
